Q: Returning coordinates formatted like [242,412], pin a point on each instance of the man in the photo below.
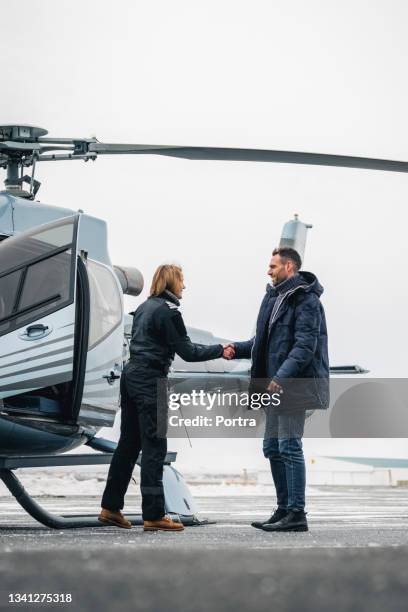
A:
[289,346]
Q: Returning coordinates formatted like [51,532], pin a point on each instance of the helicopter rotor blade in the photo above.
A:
[252,155]
[17,142]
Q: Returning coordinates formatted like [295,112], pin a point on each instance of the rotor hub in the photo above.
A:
[21,133]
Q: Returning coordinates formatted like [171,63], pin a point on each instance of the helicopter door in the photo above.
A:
[105,346]
[39,370]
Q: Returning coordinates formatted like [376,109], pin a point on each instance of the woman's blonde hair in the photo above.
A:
[165,277]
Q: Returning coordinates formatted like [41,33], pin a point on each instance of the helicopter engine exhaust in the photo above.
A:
[131,280]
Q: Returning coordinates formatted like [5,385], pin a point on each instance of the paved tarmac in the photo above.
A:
[355,557]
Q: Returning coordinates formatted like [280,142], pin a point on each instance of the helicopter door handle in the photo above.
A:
[36,331]
[111,377]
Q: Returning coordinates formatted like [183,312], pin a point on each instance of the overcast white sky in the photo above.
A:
[322,76]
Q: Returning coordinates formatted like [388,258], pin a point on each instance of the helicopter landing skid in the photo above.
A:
[54,521]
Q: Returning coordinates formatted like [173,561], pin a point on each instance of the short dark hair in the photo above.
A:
[288,253]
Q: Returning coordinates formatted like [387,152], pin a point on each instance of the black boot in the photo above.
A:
[276,516]
[293,521]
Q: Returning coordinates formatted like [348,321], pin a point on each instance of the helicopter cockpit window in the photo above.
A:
[43,280]
[8,291]
[105,300]
[36,274]
[23,248]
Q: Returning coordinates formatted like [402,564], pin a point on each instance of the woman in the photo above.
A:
[158,332]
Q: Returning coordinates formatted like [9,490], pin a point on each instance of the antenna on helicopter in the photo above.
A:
[294,235]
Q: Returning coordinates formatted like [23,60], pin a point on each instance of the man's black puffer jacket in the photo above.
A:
[295,346]
[158,332]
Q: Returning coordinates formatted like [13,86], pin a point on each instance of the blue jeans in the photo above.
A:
[283,447]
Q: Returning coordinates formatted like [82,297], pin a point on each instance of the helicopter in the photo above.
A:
[63,331]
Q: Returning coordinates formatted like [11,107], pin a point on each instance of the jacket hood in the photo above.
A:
[313,284]
[309,278]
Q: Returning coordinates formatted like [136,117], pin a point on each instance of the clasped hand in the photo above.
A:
[229,351]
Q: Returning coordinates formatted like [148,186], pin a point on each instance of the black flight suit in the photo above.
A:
[158,332]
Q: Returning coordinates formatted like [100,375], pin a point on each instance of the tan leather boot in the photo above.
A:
[163,524]
[114,518]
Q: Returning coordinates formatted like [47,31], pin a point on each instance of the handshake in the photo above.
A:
[229,351]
